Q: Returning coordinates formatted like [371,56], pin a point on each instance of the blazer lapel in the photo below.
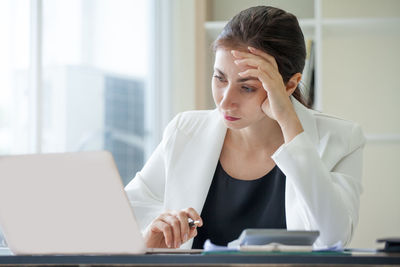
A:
[194,167]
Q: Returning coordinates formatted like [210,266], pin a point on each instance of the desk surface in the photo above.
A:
[221,259]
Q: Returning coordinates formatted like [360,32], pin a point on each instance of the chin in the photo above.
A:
[234,125]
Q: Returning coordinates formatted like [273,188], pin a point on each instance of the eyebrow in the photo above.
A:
[241,80]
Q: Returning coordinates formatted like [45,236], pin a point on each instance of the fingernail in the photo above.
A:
[251,48]
[185,237]
[169,245]
[236,61]
[240,73]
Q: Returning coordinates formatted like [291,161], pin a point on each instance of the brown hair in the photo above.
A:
[273,31]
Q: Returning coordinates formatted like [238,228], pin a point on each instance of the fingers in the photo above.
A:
[174,222]
[257,73]
[166,229]
[175,227]
[264,55]
[262,66]
[183,219]
[192,213]
[186,231]
[257,63]
[255,53]
[251,62]
[192,232]
[256,60]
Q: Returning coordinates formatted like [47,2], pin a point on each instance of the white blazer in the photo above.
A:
[323,168]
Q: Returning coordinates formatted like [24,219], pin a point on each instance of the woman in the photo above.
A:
[261,159]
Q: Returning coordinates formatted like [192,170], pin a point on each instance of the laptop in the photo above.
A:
[66,203]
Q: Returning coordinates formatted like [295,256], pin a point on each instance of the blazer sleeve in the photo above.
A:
[146,190]
[329,198]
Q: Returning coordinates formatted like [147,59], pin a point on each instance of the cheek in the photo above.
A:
[262,95]
[254,104]
[216,93]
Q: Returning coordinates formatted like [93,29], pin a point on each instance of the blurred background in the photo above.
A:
[81,75]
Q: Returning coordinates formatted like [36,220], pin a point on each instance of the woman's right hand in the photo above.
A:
[171,229]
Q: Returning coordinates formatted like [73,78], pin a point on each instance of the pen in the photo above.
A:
[193,223]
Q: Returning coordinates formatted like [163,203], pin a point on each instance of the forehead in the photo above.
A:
[223,53]
[224,61]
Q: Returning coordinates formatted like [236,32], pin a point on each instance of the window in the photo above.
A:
[14,66]
[77,78]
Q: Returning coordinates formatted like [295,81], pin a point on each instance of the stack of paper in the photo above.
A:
[276,247]
[268,240]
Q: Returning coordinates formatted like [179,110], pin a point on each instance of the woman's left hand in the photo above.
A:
[277,105]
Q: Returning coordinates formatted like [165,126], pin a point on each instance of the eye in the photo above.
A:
[219,78]
[248,89]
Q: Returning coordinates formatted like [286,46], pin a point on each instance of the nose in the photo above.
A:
[229,99]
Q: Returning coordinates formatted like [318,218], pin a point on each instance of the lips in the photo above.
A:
[230,118]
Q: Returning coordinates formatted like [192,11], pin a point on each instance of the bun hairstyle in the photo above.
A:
[271,30]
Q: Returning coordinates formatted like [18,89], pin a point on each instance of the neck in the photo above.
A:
[263,135]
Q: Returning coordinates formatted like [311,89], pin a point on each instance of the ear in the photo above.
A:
[291,85]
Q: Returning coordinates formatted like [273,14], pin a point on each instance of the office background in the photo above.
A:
[109,74]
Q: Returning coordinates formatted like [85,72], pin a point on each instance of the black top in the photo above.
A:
[233,205]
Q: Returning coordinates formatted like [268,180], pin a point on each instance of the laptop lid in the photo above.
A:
[66,203]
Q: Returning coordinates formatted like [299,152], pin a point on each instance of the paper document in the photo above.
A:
[5,251]
[271,247]
[276,247]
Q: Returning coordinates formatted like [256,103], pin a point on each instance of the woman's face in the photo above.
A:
[239,99]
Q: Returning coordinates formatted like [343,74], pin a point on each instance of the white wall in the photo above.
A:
[183,55]
[360,70]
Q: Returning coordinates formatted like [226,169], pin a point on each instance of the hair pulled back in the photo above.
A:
[271,30]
